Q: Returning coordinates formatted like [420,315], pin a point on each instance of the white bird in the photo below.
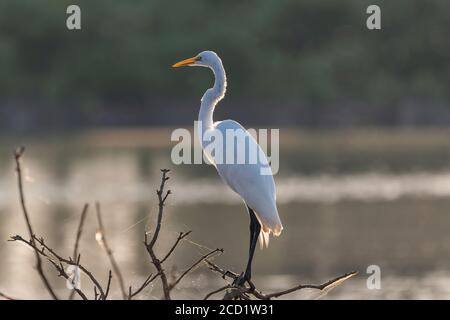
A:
[246,179]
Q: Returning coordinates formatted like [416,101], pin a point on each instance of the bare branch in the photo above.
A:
[80,230]
[161,202]
[62,272]
[58,265]
[149,245]
[59,258]
[108,286]
[322,287]
[243,292]
[77,239]
[181,236]
[6,297]
[17,156]
[75,263]
[159,268]
[224,273]
[228,286]
[203,258]
[101,238]
[147,281]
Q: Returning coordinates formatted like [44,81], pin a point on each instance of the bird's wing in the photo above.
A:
[245,177]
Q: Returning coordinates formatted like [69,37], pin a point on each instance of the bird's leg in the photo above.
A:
[255,229]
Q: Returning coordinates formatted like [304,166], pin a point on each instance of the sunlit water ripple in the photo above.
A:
[323,188]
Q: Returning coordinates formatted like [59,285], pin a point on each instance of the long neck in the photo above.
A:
[212,96]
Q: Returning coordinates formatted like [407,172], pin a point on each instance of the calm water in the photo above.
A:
[348,199]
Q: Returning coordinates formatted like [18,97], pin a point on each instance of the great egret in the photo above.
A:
[246,179]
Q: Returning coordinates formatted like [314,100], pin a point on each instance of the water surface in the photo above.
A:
[348,199]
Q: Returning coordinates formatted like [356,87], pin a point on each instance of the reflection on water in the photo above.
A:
[334,221]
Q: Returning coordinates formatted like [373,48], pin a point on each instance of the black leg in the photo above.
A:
[255,229]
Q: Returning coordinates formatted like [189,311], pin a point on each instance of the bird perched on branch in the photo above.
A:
[251,180]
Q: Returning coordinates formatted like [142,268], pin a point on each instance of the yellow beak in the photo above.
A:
[185,62]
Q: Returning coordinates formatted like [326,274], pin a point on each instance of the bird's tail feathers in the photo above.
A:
[263,239]
[267,228]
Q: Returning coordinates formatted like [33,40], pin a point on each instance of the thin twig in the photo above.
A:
[224,273]
[17,156]
[228,286]
[80,230]
[58,265]
[59,258]
[159,268]
[6,297]
[108,286]
[101,238]
[195,264]
[70,262]
[147,281]
[162,197]
[77,239]
[181,236]
[329,284]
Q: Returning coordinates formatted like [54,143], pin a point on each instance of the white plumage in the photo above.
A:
[257,190]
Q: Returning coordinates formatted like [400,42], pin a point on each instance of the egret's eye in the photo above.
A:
[199,58]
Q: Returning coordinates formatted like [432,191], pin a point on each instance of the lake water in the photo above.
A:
[348,199]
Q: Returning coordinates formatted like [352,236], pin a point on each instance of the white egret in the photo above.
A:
[246,179]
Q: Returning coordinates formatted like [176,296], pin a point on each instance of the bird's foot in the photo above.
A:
[241,280]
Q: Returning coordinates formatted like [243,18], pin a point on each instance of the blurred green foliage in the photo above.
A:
[316,51]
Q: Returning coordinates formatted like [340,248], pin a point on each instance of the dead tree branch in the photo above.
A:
[75,256]
[101,239]
[203,258]
[147,281]
[166,286]
[80,231]
[75,263]
[42,250]
[181,236]
[17,156]
[108,286]
[244,292]
[45,248]
[226,287]
[6,297]
[162,197]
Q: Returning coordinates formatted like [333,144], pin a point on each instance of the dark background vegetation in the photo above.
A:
[289,63]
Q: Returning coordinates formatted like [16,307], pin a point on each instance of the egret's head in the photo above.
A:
[203,59]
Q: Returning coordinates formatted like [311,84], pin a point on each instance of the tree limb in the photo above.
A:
[181,236]
[6,297]
[59,258]
[17,156]
[58,265]
[101,238]
[150,244]
[195,264]
[108,285]
[243,292]
[77,239]
[147,281]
